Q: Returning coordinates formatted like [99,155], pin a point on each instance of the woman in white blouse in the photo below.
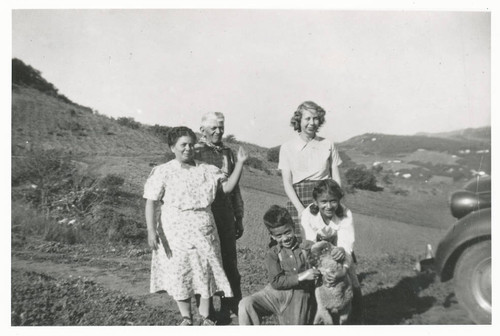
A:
[306,159]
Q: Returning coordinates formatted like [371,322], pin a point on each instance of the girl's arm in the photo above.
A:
[346,232]
[290,192]
[233,179]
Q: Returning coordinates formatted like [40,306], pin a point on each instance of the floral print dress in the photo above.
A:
[189,228]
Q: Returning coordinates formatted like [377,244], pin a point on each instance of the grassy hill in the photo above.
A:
[482,134]
[457,155]
[40,120]
[384,144]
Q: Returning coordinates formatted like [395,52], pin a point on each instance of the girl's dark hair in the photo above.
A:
[176,132]
[310,106]
[277,216]
[329,187]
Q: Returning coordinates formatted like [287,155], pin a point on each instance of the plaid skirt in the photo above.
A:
[304,190]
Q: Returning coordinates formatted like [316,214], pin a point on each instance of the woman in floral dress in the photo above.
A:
[186,249]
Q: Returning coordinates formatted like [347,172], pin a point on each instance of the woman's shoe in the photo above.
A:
[186,321]
[207,322]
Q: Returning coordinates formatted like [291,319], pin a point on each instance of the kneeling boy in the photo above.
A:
[290,292]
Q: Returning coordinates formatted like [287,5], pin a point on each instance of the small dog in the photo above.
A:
[334,299]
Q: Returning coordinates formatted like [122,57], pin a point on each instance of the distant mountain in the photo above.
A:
[482,134]
[385,144]
[457,155]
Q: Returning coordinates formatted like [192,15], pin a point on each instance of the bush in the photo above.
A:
[160,131]
[27,222]
[273,154]
[387,179]
[400,191]
[75,204]
[360,177]
[230,138]
[129,122]
[46,170]
[254,163]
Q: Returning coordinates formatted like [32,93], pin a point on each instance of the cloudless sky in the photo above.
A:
[393,72]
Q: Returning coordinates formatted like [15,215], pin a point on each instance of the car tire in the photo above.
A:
[473,281]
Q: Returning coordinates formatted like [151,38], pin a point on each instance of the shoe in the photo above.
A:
[207,322]
[186,321]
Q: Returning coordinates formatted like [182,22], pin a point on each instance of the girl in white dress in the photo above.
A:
[327,219]
[186,257]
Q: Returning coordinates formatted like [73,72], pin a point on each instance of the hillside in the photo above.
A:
[46,122]
[482,134]
[455,157]
[44,119]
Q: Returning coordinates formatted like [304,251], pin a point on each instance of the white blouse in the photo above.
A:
[308,160]
[313,225]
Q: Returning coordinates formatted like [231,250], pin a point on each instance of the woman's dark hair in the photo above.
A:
[329,187]
[277,216]
[176,132]
[309,106]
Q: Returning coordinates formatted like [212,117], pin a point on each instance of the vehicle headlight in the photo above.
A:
[464,202]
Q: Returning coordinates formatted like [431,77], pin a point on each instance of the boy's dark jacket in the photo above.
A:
[283,265]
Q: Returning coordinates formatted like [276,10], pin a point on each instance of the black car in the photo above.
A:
[464,253]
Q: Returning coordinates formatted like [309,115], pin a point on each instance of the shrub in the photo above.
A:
[360,177]
[377,169]
[400,191]
[387,179]
[27,221]
[111,182]
[160,131]
[46,171]
[230,138]
[254,163]
[273,154]
[129,122]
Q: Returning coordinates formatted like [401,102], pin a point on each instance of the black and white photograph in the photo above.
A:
[160,172]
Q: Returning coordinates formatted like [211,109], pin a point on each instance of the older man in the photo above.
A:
[227,209]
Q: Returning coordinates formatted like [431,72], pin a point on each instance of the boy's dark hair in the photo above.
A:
[330,187]
[277,216]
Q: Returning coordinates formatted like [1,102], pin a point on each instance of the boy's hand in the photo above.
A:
[239,227]
[310,274]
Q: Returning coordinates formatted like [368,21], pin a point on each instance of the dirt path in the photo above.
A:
[385,303]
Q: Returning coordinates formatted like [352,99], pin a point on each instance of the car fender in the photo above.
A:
[470,229]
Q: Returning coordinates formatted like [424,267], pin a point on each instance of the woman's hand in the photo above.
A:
[153,239]
[242,155]
[168,251]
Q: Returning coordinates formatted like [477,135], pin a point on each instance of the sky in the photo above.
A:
[382,71]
